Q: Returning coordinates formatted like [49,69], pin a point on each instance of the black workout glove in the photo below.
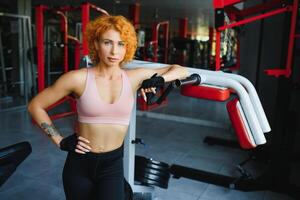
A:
[154,81]
[69,143]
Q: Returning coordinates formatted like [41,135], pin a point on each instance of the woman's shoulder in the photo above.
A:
[133,71]
[77,76]
[77,73]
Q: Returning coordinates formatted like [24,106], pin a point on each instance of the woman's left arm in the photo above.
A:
[172,72]
[168,73]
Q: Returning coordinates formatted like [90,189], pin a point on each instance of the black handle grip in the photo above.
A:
[193,79]
[166,93]
[151,98]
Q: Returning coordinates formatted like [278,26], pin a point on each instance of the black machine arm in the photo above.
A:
[193,79]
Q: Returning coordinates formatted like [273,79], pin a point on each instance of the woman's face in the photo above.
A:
[111,48]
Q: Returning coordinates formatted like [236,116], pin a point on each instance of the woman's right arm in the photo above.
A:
[65,85]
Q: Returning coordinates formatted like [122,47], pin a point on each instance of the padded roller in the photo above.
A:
[206,92]
[240,124]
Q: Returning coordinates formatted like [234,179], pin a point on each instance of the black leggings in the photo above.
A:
[94,176]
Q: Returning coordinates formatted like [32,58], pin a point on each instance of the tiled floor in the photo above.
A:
[167,140]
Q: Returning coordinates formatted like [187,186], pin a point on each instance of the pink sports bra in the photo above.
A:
[92,109]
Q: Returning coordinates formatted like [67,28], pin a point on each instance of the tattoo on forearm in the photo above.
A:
[49,129]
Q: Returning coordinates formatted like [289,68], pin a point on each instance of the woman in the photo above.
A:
[105,96]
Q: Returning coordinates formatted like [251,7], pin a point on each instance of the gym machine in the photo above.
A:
[85,17]
[11,157]
[246,113]
[22,74]
[152,51]
[238,17]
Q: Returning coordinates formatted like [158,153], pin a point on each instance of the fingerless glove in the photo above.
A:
[154,81]
[69,143]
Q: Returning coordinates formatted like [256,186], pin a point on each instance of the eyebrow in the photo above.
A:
[112,40]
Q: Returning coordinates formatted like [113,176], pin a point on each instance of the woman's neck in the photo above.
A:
[108,72]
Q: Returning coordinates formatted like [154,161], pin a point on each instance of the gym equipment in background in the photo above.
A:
[17,74]
[151,172]
[238,17]
[11,157]
[85,9]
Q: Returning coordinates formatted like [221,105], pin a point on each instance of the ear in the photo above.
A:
[96,44]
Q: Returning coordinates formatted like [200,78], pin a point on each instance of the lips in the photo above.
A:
[113,59]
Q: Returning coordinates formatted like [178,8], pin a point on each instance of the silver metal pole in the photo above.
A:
[2,64]
[32,65]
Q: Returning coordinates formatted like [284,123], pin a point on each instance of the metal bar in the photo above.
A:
[211,40]
[262,119]
[30,43]
[259,8]
[289,59]
[183,27]
[155,29]
[21,56]
[64,29]
[245,101]
[85,17]
[39,17]
[251,19]
[218,51]
[2,64]
[292,35]
[223,3]
[68,8]
[24,59]
[48,53]
[134,12]
[166,45]
[14,15]
[61,115]
[98,9]
[77,51]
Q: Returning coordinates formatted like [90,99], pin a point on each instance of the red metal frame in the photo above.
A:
[64,30]
[40,42]
[183,27]
[41,59]
[155,32]
[77,51]
[270,9]
[39,23]
[39,15]
[223,3]
[134,13]
[85,18]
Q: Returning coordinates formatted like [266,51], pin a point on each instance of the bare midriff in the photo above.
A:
[103,137]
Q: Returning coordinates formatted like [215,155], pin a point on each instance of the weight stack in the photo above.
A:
[151,173]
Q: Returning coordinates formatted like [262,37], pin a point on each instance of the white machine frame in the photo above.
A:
[249,104]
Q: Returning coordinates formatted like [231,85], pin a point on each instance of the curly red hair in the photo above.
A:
[97,27]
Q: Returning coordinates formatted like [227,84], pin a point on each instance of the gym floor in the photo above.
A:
[173,134]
